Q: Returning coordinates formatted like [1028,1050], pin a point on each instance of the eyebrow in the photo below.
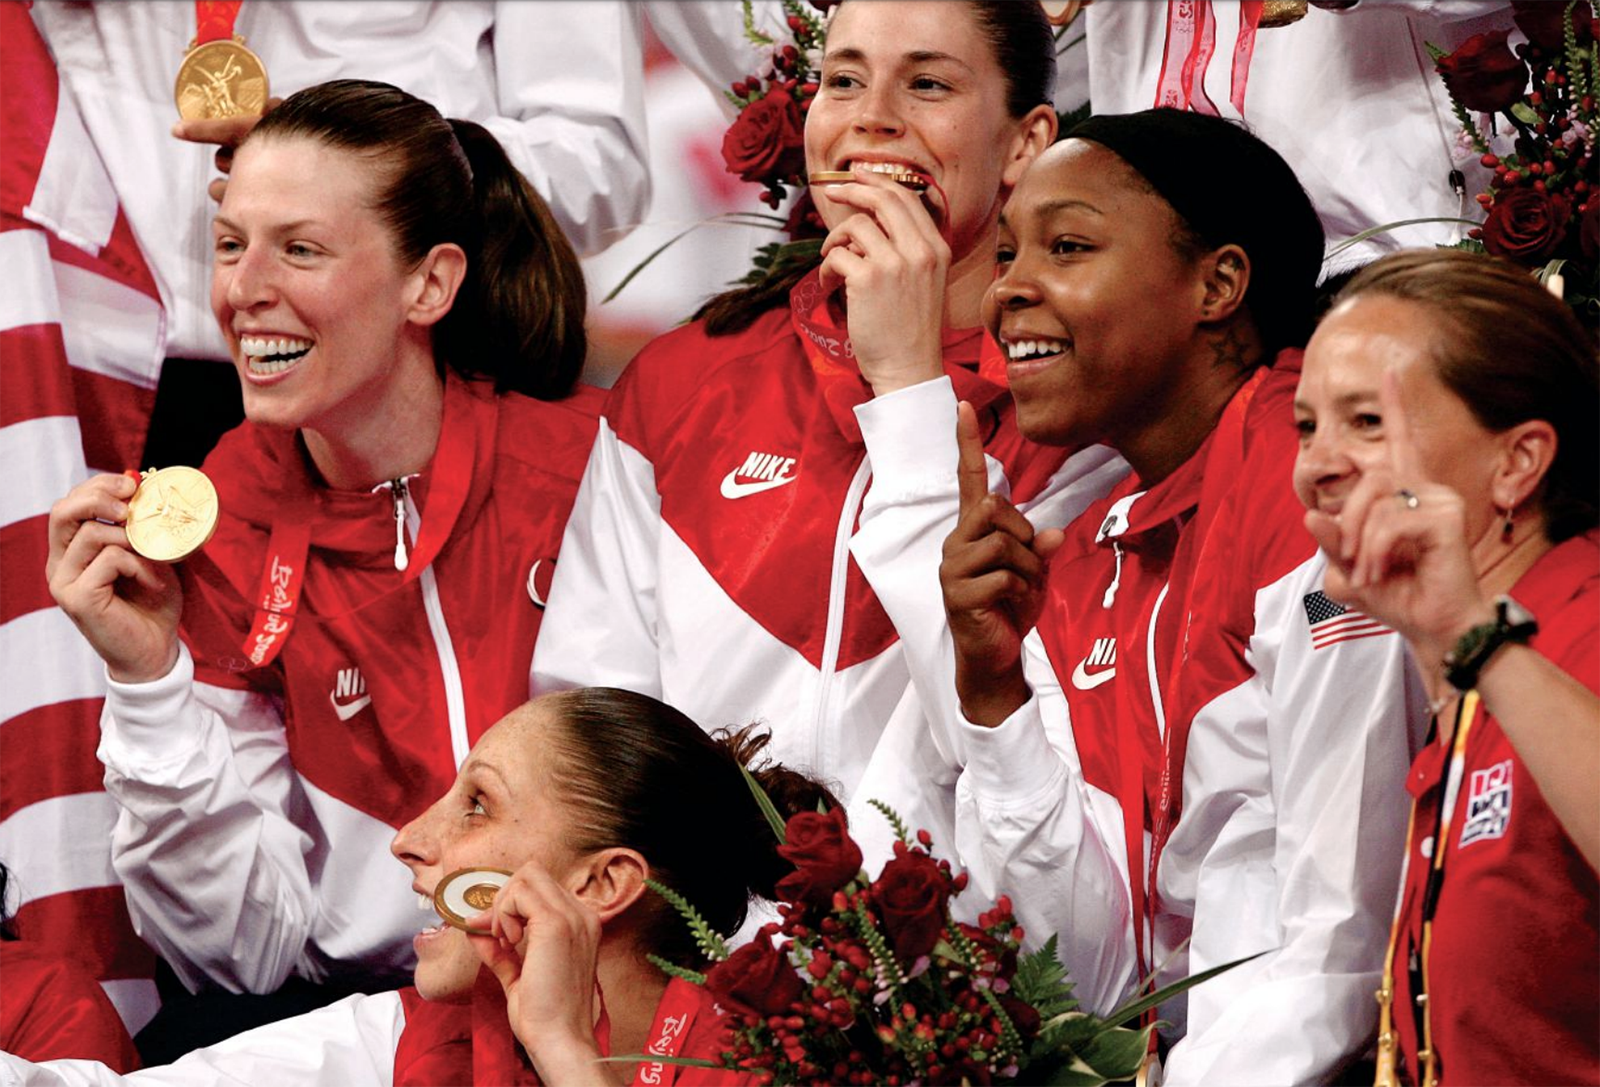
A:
[919,56]
[282,228]
[1343,400]
[476,765]
[1051,207]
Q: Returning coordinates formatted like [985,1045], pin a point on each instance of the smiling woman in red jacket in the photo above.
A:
[390,510]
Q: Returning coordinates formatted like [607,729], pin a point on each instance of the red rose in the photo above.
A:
[766,142]
[1483,74]
[1589,230]
[805,221]
[911,894]
[824,856]
[1525,225]
[756,980]
[1540,21]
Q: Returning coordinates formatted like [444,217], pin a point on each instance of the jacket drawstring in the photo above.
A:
[397,491]
[1116,577]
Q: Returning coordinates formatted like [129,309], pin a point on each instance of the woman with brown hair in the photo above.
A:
[1451,472]
[406,322]
[576,800]
[709,560]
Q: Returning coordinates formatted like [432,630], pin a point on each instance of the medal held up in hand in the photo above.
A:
[467,893]
[219,77]
[172,514]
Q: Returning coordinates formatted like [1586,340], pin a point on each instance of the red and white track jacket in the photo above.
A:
[708,561]
[258,802]
[1300,729]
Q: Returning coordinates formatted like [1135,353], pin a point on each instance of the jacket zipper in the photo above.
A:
[408,519]
[822,724]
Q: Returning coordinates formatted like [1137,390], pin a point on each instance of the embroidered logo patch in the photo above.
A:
[1488,810]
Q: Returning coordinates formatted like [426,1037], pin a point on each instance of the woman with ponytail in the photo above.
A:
[581,797]
[741,460]
[407,324]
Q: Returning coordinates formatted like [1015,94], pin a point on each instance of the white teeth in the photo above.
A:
[424,902]
[274,355]
[887,167]
[1025,349]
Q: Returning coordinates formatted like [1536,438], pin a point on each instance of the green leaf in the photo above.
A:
[1042,981]
[1384,228]
[706,937]
[1116,1054]
[889,813]
[673,970]
[1135,1008]
[681,1062]
[1524,113]
[1435,52]
[764,802]
[750,32]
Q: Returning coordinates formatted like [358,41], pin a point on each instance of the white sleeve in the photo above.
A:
[1027,826]
[347,1044]
[570,81]
[707,37]
[600,625]
[213,864]
[912,506]
[1311,868]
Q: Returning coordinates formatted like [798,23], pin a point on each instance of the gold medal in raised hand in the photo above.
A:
[467,893]
[172,514]
[220,78]
[1281,13]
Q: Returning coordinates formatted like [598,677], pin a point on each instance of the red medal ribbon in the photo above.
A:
[1223,466]
[281,580]
[214,19]
[1191,39]
[674,1015]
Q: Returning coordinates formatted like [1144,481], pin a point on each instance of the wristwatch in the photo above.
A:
[1512,623]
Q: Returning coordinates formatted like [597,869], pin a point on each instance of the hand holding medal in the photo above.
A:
[172,514]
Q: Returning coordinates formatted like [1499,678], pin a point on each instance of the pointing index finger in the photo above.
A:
[972,472]
[1404,463]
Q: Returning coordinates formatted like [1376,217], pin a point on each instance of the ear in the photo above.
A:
[437,277]
[610,880]
[1527,452]
[1036,131]
[1225,274]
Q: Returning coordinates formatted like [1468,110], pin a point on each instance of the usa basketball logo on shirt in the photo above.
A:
[1488,804]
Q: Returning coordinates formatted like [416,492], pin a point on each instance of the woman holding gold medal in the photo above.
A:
[389,288]
[708,562]
[1448,460]
[533,863]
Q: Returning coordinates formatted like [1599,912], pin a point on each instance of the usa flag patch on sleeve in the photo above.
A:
[1332,623]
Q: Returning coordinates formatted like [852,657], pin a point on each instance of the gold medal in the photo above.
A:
[172,514]
[467,893]
[1281,13]
[910,179]
[220,78]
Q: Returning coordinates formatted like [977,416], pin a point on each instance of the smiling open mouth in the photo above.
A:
[1029,350]
[906,176]
[271,356]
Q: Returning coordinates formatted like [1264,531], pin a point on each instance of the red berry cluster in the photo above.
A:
[894,991]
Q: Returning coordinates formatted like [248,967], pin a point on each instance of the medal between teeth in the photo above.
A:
[909,178]
[172,513]
[466,893]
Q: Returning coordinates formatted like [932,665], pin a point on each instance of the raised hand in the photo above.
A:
[993,576]
[892,262]
[543,946]
[228,133]
[126,605]
[1398,547]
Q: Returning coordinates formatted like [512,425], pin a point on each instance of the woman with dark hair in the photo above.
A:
[51,1006]
[390,288]
[708,561]
[581,797]
[1162,746]
[1450,468]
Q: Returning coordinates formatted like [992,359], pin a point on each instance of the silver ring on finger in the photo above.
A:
[1409,498]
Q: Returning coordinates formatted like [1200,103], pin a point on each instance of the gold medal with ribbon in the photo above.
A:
[219,77]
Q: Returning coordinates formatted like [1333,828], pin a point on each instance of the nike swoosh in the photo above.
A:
[349,710]
[732,488]
[1082,680]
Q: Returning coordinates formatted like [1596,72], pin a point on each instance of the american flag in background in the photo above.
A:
[1332,623]
[81,335]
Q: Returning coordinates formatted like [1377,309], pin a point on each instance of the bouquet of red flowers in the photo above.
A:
[871,980]
[1542,205]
